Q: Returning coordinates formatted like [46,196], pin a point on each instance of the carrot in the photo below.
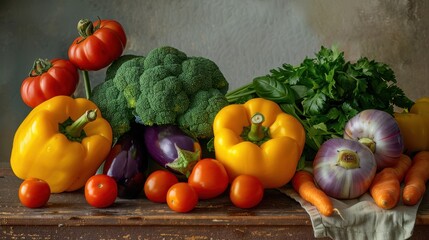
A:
[303,183]
[385,189]
[416,178]
[402,166]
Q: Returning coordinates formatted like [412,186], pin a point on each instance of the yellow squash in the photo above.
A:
[62,141]
[259,139]
[414,126]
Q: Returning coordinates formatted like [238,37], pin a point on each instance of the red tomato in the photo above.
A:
[101,191]
[100,43]
[246,191]
[209,178]
[34,193]
[49,79]
[157,185]
[181,197]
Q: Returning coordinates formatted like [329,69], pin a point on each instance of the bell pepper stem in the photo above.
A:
[87,83]
[75,129]
[256,132]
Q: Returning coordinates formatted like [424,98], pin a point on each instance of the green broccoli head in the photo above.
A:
[127,79]
[168,87]
[171,87]
[112,105]
[198,119]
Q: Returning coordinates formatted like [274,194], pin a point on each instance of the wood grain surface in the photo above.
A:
[68,216]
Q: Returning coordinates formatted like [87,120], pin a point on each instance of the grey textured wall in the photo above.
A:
[245,38]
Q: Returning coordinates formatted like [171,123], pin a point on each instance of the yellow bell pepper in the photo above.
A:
[62,141]
[259,139]
[414,126]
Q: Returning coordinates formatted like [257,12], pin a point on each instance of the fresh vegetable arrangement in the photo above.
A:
[160,107]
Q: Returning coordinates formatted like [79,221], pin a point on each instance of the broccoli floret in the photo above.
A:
[112,105]
[199,73]
[127,79]
[165,56]
[111,70]
[162,99]
[202,111]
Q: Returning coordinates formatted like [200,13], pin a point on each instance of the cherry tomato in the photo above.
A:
[34,193]
[49,79]
[157,185]
[181,197]
[101,191]
[209,178]
[246,191]
[98,45]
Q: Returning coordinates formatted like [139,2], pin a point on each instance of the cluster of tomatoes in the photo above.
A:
[207,180]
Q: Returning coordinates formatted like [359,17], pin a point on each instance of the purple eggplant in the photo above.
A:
[127,164]
[172,148]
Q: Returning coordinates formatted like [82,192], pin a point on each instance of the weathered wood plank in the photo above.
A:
[68,216]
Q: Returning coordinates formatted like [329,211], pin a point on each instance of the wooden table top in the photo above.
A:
[67,214]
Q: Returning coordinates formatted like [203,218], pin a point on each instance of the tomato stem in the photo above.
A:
[85,28]
[87,83]
[40,66]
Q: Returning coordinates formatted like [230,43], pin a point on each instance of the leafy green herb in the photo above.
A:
[324,92]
